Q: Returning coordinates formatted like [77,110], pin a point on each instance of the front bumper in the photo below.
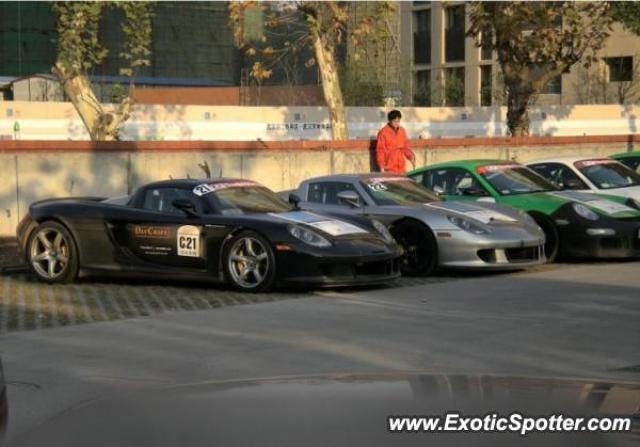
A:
[507,248]
[576,242]
[345,265]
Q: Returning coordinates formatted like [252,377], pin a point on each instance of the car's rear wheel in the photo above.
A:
[52,253]
[249,263]
[552,239]
[420,247]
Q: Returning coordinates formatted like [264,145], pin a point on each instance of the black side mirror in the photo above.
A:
[294,199]
[185,205]
[350,198]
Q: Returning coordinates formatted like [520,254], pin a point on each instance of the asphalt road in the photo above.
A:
[570,321]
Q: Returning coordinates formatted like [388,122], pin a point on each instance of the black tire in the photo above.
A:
[420,246]
[552,238]
[60,257]
[258,279]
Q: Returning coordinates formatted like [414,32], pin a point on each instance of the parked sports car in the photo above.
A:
[597,175]
[631,159]
[230,230]
[433,233]
[575,224]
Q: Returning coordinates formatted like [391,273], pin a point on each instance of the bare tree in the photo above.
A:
[320,26]
[79,49]
[537,42]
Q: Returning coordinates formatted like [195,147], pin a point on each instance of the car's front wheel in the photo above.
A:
[552,239]
[52,253]
[420,248]
[249,263]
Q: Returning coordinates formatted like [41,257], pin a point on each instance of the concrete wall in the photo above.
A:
[33,170]
[59,121]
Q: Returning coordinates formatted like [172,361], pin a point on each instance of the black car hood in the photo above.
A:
[337,410]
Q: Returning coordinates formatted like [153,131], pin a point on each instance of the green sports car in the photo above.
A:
[631,159]
[575,224]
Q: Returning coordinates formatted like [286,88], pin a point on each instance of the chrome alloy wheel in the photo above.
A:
[248,262]
[49,253]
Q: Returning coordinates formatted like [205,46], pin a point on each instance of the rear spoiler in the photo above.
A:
[71,199]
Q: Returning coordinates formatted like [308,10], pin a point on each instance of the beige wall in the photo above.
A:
[30,176]
[59,121]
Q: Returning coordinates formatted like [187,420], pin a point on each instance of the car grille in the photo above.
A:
[514,255]
[522,254]
[360,269]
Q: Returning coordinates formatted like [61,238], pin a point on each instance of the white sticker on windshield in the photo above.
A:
[206,188]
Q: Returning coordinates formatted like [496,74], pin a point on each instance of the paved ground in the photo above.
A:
[567,320]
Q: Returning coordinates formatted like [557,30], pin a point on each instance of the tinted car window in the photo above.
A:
[633,163]
[247,200]
[401,191]
[453,182]
[514,179]
[161,199]
[560,175]
[327,192]
[608,175]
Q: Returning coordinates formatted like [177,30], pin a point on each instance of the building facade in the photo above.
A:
[449,69]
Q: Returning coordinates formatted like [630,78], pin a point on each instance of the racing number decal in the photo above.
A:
[189,241]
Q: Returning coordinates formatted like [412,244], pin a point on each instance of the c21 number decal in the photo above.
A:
[188,241]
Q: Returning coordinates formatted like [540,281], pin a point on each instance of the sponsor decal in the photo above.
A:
[206,188]
[484,216]
[151,232]
[378,183]
[332,227]
[606,206]
[587,163]
[188,241]
[155,251]
[482,170]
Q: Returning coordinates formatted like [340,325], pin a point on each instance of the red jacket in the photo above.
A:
[392,150]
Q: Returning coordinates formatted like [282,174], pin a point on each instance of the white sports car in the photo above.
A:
[595,175]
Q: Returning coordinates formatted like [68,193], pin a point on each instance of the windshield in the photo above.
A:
[607,174]
[397,191]
[510,180]
[248,200]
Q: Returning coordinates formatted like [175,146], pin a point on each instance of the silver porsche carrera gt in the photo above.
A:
[434,234]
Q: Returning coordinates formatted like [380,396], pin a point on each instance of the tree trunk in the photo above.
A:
[330,86]
[101,125]
[517,111]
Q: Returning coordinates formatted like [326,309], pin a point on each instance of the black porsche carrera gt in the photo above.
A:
[224,230]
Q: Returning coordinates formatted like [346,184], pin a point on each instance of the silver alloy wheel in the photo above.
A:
[49,253]
[248,262]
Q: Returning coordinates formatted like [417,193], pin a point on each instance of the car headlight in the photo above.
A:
[584,211]
[308,236]
[467,225]
[633,203]
[380,228]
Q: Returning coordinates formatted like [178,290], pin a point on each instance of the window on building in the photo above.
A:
[486,50]
[454,33]
[454,87]
[620,68]
[554,87]
[486,85]
[422,94]
[422,36]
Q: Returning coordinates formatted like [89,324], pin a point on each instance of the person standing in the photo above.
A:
[392,148]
